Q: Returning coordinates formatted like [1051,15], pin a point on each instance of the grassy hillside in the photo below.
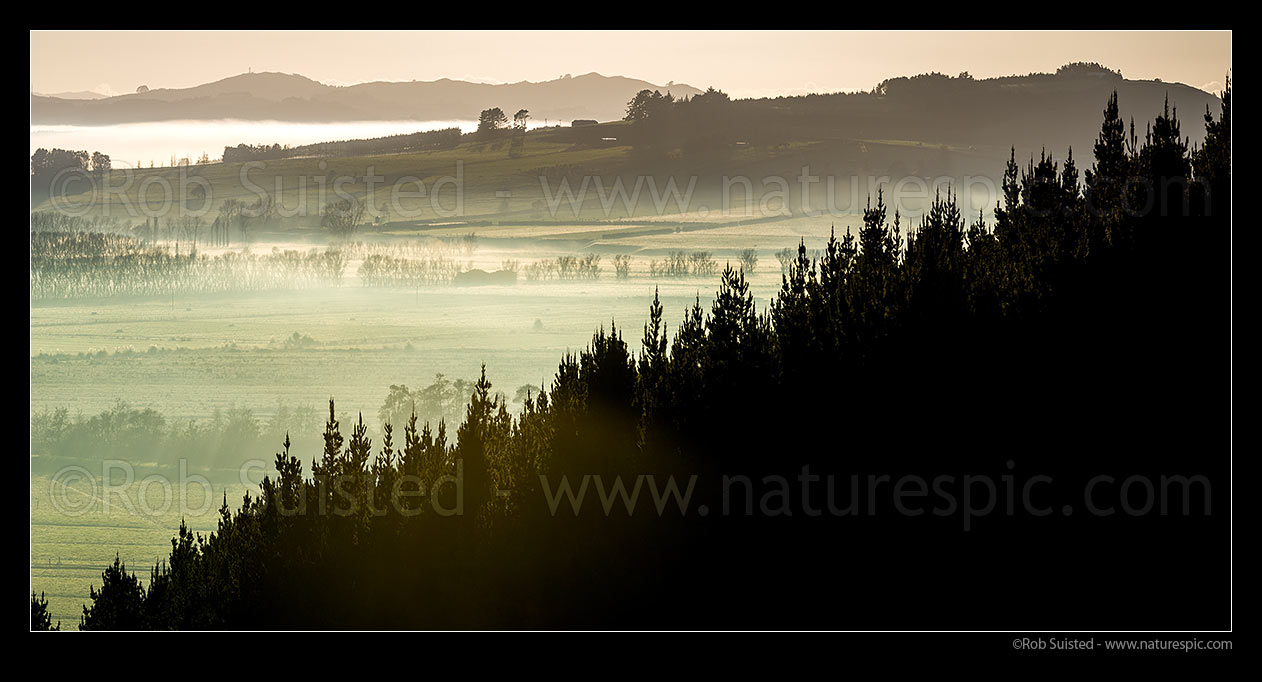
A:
[530,186]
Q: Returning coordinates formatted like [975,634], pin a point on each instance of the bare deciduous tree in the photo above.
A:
[341,217]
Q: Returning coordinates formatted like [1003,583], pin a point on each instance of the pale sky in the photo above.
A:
[742,63]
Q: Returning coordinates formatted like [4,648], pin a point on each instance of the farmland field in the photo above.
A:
[190,355]
[76,533]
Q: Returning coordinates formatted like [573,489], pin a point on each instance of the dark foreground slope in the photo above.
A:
[1022,425]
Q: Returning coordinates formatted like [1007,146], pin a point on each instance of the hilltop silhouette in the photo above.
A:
[291,97]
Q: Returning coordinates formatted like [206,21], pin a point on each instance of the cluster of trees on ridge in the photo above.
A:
[493,123]
[1083,332]
[45,164]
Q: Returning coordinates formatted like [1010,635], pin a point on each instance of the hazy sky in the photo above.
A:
[743,63]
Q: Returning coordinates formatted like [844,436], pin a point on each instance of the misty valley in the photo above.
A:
[306,356]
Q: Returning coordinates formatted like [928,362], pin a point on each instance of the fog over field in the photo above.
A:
[356,339]
[139,144]
[267,362]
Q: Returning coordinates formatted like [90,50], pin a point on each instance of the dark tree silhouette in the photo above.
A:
[1074,338]
[41,619]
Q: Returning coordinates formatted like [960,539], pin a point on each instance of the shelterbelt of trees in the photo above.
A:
[977,426]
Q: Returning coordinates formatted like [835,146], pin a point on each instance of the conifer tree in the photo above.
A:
[41,619]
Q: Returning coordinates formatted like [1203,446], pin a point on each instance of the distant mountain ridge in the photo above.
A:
[78,94]
[291,97]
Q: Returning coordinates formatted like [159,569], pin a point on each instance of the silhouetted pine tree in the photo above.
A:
[118,605]
[41,619]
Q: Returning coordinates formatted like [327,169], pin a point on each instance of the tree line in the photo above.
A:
[47,163]
[144,436]
[95,264]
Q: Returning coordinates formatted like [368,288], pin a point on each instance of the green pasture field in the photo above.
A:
[527,186]
[77,528]
[188,356]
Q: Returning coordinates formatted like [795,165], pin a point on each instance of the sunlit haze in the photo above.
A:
[743,63]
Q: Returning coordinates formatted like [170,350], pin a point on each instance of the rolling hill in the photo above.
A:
[291,97]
